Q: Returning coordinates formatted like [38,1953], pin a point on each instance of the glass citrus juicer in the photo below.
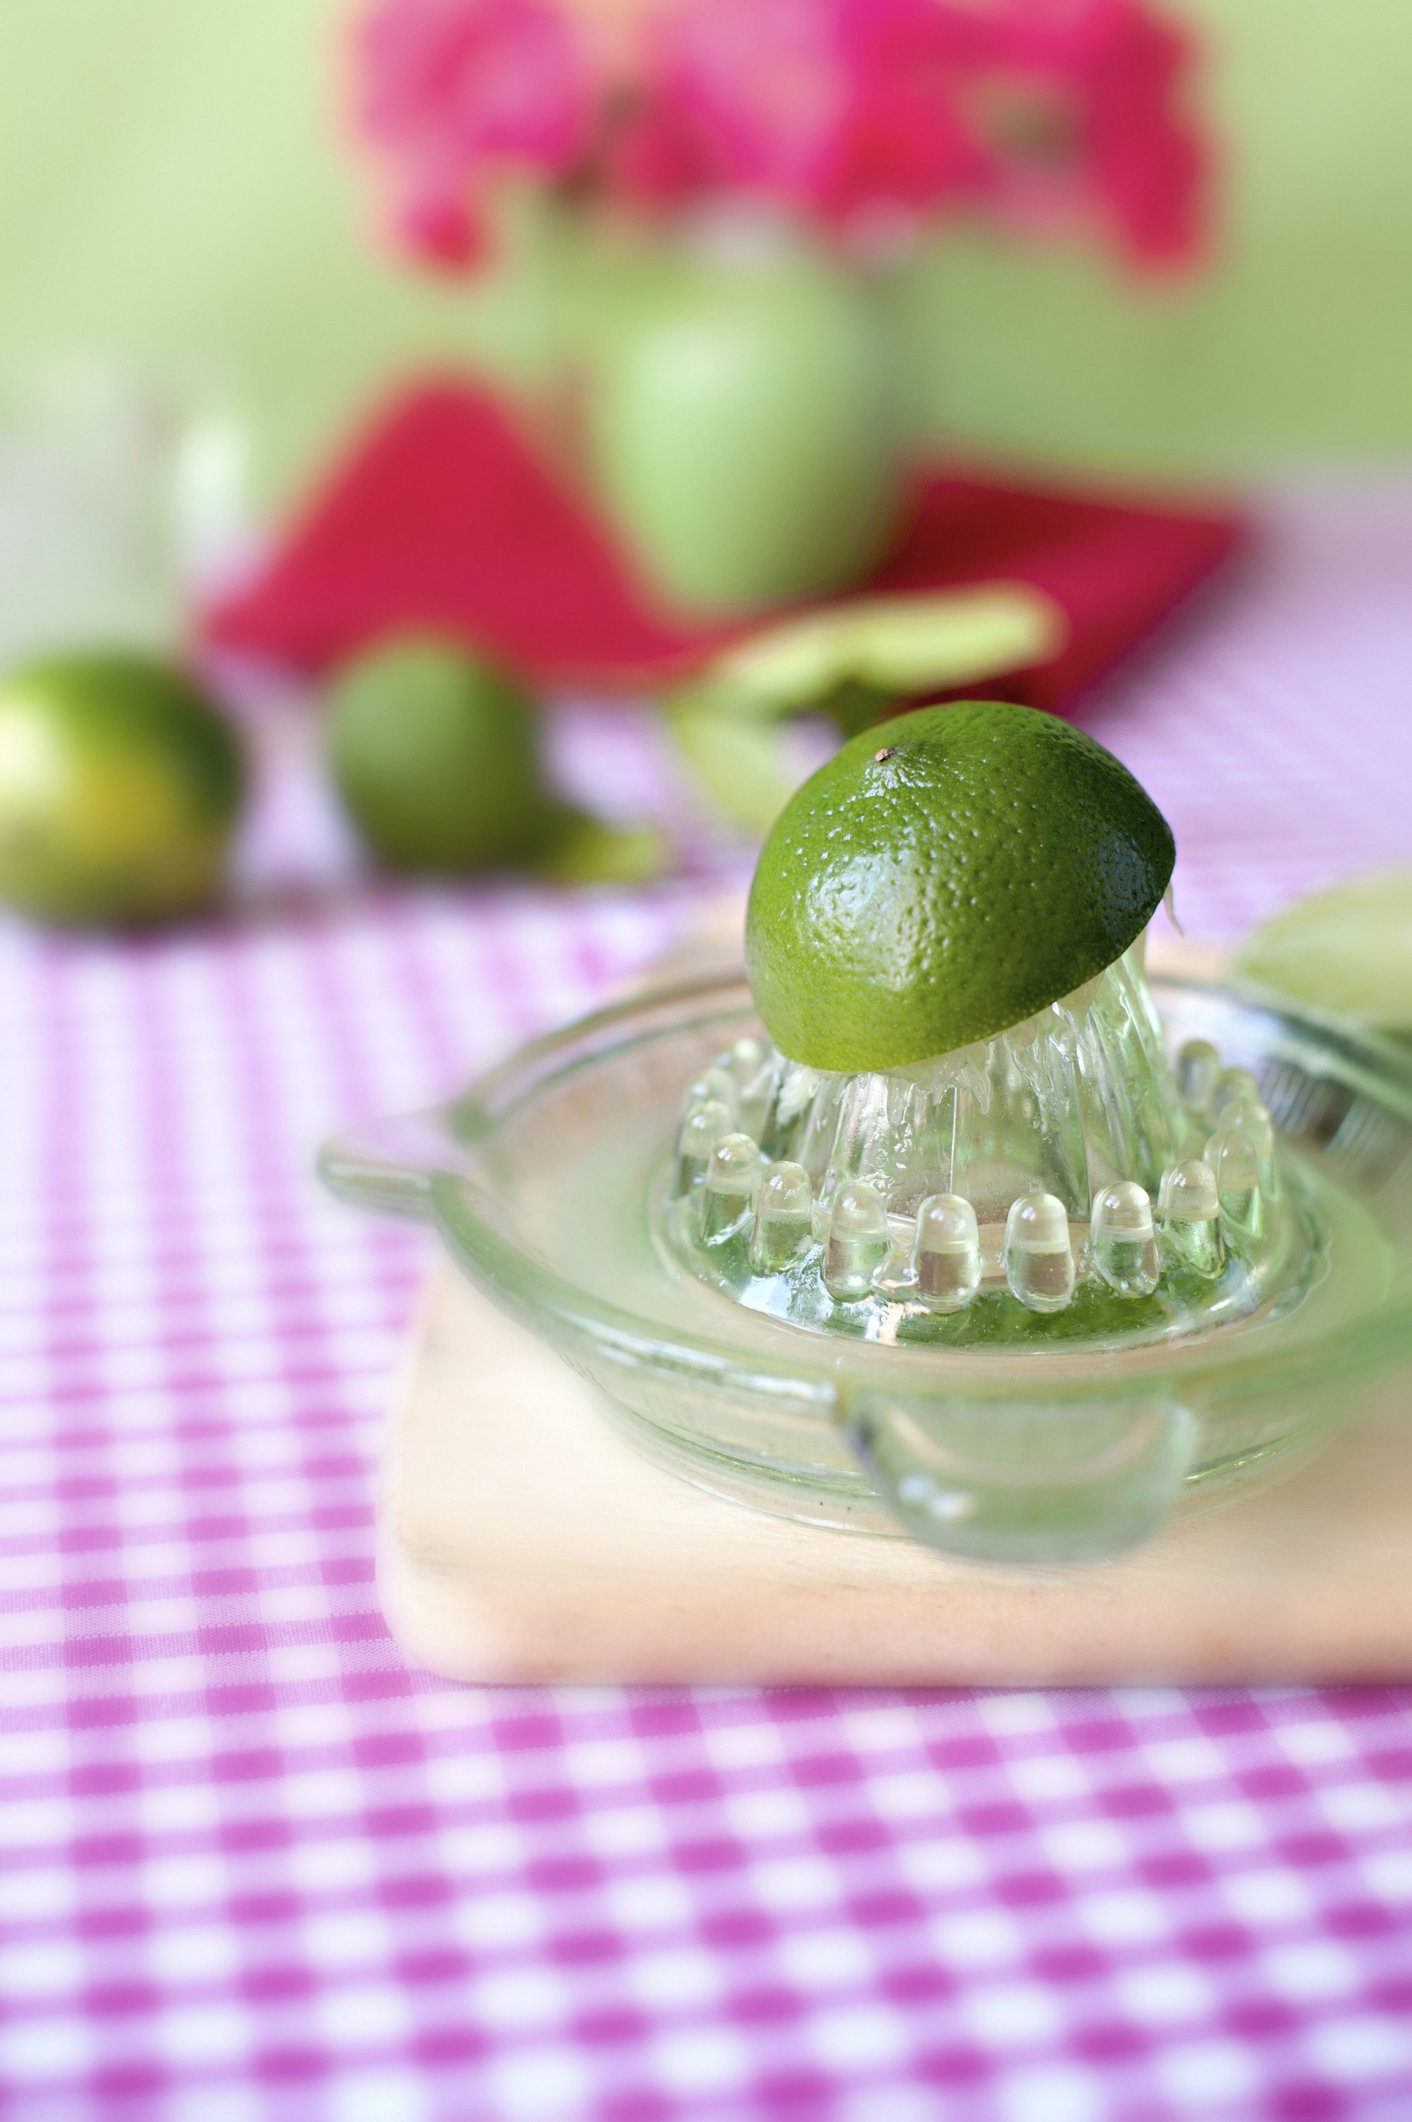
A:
[948,1222]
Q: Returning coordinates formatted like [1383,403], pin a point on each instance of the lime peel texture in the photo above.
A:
[944,876]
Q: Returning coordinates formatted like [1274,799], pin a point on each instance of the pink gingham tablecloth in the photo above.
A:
[251,1866]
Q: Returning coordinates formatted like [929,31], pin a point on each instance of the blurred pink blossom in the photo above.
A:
[449,91]
[1081,103]
[832,108]
[845,113]
[439,230]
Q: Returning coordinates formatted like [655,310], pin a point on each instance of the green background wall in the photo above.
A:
[172,184]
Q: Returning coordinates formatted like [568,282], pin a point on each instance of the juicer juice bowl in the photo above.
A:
[1020,1302]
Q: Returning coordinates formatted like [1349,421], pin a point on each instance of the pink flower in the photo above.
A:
[833,108]
[449,91]
[1079,103]
[851,114]
[439,231]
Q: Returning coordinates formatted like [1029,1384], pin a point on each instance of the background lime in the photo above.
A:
[1347,949]
[435,753]
[120,784]
[946,874]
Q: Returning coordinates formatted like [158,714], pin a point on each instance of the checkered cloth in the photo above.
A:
[253,1867]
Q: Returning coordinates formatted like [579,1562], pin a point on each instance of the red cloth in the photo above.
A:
[443,518]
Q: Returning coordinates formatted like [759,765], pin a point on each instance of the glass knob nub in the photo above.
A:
[1122,1243]
[1253,1121]
[784,1219]
[859,1242]
[732,1181]
[1039,1260]
[1189,1218]
[703,1126]
[1235,1088]
[715,1085]
[753,1074]
[946,1257]
[1233,1159]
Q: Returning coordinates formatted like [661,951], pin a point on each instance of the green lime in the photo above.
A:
[1347,949]
[120,785]
[943,876]
[435,753]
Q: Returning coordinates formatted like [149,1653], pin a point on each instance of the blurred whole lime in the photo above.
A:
[435,753]
[120,785]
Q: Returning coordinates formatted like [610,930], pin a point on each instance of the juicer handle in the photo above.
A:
[1024,1482]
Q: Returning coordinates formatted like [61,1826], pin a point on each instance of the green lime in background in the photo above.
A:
[435,753]
[1347,949]
[942,877]
[120,786]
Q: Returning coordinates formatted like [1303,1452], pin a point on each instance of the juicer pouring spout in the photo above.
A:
[389,1166]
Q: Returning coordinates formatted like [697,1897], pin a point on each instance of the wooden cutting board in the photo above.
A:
[522,1538]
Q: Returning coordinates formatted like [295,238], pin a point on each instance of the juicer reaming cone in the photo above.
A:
[1061,1180]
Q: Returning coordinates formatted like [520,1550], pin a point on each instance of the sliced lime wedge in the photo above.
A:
[855,662]
[903,646]
[1347,949]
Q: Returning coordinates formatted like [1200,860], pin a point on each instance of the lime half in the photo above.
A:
[944,876]
[435,754]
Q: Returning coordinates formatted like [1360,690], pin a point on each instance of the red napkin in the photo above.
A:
[442,517]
